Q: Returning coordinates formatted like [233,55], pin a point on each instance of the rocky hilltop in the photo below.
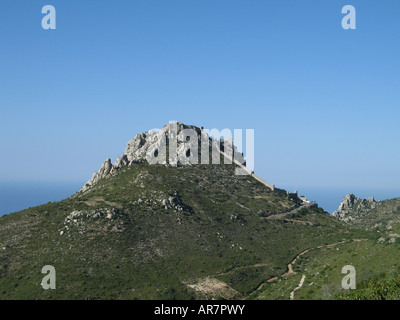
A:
[352,208]
[145,145]
[382,216]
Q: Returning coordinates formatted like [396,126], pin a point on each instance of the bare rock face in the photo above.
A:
[347,202]
[188,140]
[77,220]
[104,170]
[121,162]
[352,208]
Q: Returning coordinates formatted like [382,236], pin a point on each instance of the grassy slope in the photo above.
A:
[385,212]
[147,251]
[322,267]
[384,286]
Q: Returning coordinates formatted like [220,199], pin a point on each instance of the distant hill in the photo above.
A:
[381,216]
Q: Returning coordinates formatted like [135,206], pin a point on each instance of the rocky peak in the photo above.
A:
[347,202]
[144,144]
[106,167]
[352,208]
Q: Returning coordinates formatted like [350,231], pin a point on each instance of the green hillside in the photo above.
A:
[375,258]
[181,230]
[160,232]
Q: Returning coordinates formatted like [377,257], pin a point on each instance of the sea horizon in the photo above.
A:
[21,195]
[17,196]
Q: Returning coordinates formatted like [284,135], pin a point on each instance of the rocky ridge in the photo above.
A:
[352,208]
[153,142]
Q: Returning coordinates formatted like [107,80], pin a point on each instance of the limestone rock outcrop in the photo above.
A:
[352,208]
[189,140]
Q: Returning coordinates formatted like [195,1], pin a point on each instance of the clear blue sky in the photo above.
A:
[324,102]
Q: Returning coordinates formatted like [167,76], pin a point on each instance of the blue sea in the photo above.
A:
[329,198]
[16,196]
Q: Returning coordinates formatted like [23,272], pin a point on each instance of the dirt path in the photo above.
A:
[298,287]
[279,215]
[242,267]
[290,265]
[290,271]
[210,287]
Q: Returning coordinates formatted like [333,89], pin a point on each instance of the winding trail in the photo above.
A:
[303,205]
[298,287]
[290,271]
